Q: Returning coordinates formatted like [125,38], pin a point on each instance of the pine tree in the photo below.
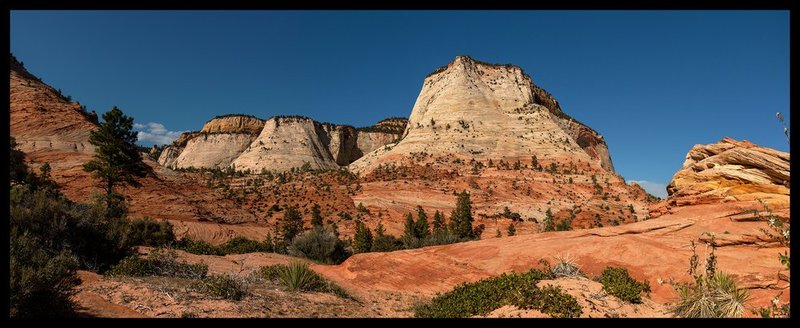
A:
[117,161]
[511,230]
[362,239]
[534,162]
[461,217]
[409,228]
[410,239]
[549,225]
[316,217]
[422,229]
[439,226]
[292,223]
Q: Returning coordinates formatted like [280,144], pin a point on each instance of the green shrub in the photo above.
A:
[549,300]
[715,296]
[298,276]
[224,286]
[41,283]
[197,247]
[158,263]
[479,298]
[617,282]
[319,244]
[242,245]
[148,232]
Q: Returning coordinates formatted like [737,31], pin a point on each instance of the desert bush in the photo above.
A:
[224,286]
[199,247]
[319,244]
[242,245]
[549,300]
[269,272]
[41,282]
[479,298]
[158,263]
[617,282]
[148,232]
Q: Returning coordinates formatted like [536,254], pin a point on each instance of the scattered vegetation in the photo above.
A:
[224,286]
[159,262]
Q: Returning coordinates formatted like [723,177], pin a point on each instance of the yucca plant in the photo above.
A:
[298,276]
[713,295]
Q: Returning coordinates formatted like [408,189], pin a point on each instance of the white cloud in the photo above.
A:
[655,188]
[155,133]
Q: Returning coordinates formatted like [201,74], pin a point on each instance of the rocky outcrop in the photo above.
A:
[240,140]
[213,150]
[731,170]
[44,119]
[169,156]
[218,144]
[287,142]
[476,110]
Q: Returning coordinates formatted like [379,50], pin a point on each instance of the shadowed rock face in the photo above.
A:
[481,111]
[732,170]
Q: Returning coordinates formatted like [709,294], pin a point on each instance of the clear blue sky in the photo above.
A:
[654,83]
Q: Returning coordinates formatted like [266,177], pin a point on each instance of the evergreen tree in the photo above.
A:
[461,217]
[383,242]
[439,226]
[410,232]
[117,161]
[549,225]
[362,240]
[422,229]
[511,230]
[534,162]
[316,217]
[292,223]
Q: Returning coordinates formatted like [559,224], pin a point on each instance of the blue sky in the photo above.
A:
[654,83]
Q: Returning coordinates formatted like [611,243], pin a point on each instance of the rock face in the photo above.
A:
[42,118]
[280,143]
[731,170]
[287,142]
[234,124]
[218,143]
[477,110]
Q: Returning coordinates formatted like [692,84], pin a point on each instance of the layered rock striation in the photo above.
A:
[732,170]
